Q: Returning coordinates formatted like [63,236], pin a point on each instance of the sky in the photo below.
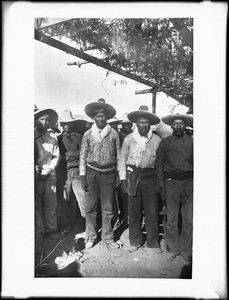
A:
[60,86]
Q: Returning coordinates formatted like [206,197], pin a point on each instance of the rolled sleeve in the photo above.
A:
[122,160]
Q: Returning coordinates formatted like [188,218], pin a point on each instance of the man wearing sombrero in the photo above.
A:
[98,160]
[46,160]
[68,169]
[175,174]
[126,127]
[138,178]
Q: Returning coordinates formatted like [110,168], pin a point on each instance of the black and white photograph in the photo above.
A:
[118,104]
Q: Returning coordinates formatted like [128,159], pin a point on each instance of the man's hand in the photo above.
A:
[84,183]
[46,171]
[162,193]
[157,189]
[67,191]
[123,186]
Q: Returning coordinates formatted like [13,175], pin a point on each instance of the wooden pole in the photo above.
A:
[154,95]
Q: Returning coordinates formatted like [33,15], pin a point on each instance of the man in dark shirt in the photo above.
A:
[69,144]
[174,166]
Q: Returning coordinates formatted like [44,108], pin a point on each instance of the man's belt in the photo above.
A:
[179,175]
[103,169]
[144,172]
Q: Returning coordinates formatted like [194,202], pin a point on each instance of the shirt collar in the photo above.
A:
[182,138]
[69,134]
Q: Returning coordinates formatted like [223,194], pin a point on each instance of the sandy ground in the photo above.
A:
[67,257]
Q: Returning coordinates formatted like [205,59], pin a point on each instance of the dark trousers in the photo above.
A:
[100,185]
[146,198]
[179,196]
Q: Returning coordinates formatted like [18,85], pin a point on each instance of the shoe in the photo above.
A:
[89,245]
[157,250]
[53,235]
[133,248]
[171,256]
[112,245]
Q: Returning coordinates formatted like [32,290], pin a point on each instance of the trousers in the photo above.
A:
[179,198]
[73,179]
[45,206]
[146,198]
[101,186]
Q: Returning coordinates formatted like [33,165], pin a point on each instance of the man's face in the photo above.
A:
[127,127]
[67,127]
[178,126]
[143,126]
[100,120]
[44,121]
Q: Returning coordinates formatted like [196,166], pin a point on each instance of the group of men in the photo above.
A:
[103,164]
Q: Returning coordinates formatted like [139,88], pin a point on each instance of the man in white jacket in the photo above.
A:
[46,160]
[138,179]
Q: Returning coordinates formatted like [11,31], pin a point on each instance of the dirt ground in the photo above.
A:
[67,257]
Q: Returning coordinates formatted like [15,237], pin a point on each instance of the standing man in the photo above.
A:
[71,142]
[98,161]
[138,178]
[126,128]
[46,160]
[175,174]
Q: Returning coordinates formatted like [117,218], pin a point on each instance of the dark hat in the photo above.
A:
[188,119]
[100,104]
[48,111]
[143,112]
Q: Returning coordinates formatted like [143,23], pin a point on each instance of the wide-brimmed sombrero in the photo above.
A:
[48,111]
[188,119]
[100,104]
[143,112]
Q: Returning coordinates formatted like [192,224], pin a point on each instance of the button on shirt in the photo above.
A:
[99,154]
[174,155]
[130,154]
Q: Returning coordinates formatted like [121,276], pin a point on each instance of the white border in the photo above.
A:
[209,269]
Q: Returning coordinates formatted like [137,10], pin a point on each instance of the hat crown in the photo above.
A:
[101,100]
[144,108]
[67,116]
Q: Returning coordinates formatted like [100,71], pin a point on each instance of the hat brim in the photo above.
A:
[109,110]
[135,115]
[52,113]
[168,120]
[114,121]
[126,122]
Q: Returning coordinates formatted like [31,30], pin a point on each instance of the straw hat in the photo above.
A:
[100,104]
[143,112]
[188,119]
[48,111]
[66,117]
[125,118]
[114,120]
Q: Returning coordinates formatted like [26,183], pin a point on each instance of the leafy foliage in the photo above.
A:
[150,48]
